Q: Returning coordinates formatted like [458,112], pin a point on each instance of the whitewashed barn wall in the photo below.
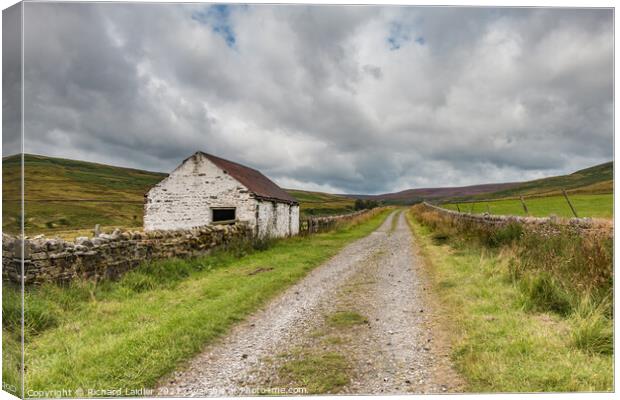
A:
[277,219]
[283,220]
[294,220]
[183,200]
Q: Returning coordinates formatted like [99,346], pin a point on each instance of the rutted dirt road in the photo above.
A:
[365,314]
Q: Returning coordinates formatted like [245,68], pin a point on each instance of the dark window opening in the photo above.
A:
[224,214]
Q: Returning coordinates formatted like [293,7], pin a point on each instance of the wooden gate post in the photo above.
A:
[524,206]
[570,204]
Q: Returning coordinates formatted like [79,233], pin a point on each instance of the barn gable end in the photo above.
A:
[205,186]
[186,198]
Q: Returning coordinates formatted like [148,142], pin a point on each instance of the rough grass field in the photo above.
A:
[130,333]
[64,196]
[586,205]
[516,332]
[316,203]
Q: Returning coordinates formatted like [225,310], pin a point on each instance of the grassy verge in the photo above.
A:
[11,339]
[129,333]
[502,342]
[11,363]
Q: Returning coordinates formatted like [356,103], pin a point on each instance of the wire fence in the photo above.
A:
[488,206]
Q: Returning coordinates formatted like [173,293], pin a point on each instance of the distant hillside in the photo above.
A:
[59,178]
[64,195]
[417,195]
[597,179]
[317,203]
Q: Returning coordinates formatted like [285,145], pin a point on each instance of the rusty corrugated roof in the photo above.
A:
[254,180]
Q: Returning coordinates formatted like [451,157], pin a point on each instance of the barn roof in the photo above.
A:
[252,179]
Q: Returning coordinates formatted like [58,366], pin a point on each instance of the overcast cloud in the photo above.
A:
[341,99]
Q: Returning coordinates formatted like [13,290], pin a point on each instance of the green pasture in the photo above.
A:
[586,205]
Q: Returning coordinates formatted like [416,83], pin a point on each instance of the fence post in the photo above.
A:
[524,206]
[570,204]
[458,208]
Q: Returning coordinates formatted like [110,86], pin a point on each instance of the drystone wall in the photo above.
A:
[108,255]
[547,226]
[321,224]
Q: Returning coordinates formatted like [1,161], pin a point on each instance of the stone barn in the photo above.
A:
[206,189]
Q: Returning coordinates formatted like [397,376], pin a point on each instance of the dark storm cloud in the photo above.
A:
[11,80]
[350,99]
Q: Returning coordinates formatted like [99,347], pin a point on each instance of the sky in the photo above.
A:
[343,99]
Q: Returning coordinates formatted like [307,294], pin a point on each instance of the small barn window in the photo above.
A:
[224,214]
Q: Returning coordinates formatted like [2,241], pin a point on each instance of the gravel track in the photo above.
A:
[399,350]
